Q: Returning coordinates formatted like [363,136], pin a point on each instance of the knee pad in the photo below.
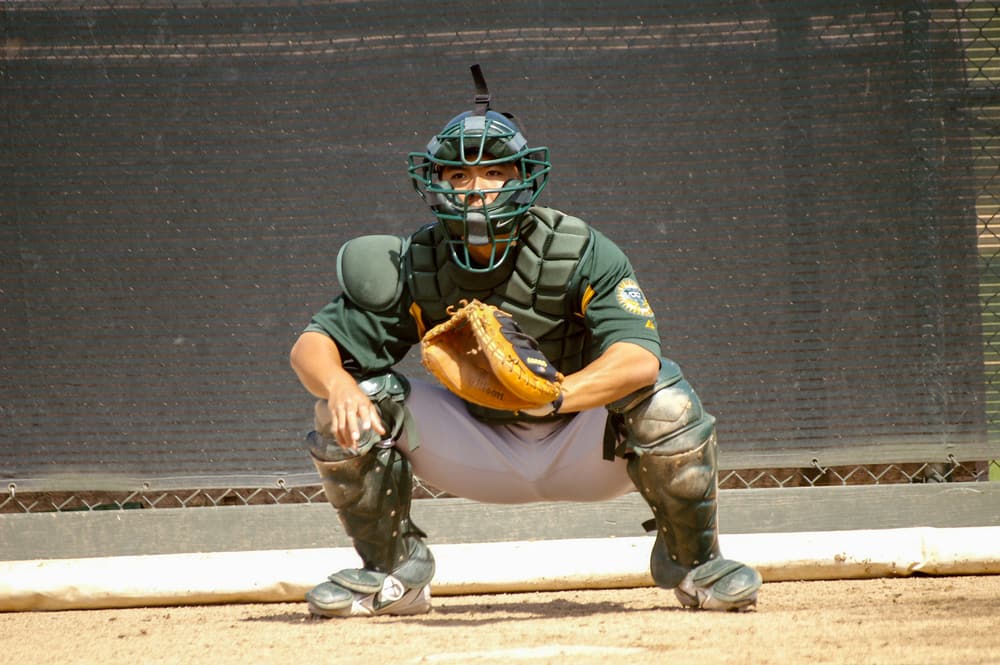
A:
[388,392]
[665,418]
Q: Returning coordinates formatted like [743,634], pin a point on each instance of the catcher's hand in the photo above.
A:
[484,357]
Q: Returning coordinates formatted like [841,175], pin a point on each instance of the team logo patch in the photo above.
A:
[632,299]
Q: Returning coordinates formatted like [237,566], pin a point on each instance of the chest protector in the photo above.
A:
[540,287]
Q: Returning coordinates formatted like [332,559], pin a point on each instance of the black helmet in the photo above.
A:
[481,137]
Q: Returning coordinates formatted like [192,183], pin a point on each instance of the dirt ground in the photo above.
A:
[899,621]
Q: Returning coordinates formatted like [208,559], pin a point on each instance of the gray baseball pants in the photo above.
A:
[509,463]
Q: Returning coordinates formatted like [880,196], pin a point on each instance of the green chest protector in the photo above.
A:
[540,287]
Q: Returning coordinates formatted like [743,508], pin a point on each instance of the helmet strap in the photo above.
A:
[482,98]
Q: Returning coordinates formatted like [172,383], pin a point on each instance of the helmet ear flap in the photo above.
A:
[518,125]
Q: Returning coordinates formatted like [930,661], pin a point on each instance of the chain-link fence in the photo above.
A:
[75,45]
[41,502]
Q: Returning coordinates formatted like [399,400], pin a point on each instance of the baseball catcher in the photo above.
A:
[545,354]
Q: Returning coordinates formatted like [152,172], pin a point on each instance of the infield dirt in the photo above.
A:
[897,621]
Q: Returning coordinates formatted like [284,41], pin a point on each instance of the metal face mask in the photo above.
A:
[477,138]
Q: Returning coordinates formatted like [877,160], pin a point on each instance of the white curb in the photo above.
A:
[547,565]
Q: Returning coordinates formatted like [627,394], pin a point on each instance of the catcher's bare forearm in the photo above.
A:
[621,370]
[317,362]
[315,359]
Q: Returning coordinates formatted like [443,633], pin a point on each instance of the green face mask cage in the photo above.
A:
[480,138]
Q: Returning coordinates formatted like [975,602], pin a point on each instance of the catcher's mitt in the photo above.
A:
[484,357]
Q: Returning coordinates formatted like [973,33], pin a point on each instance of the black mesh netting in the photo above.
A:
[795,182]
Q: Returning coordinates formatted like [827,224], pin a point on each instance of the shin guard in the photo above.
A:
[371,493]
[669,441]
[681,490]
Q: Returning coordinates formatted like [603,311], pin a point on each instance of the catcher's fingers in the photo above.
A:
[353,417]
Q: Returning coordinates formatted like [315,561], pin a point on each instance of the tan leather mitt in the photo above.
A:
[484,357]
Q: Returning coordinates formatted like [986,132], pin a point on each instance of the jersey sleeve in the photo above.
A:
[374,340]
[614,306]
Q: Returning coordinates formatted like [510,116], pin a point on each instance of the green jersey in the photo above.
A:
[602,299]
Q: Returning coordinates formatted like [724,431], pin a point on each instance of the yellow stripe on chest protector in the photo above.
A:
[588,294]
[418,316]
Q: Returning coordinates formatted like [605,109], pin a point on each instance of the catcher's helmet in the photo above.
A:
[481,137]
